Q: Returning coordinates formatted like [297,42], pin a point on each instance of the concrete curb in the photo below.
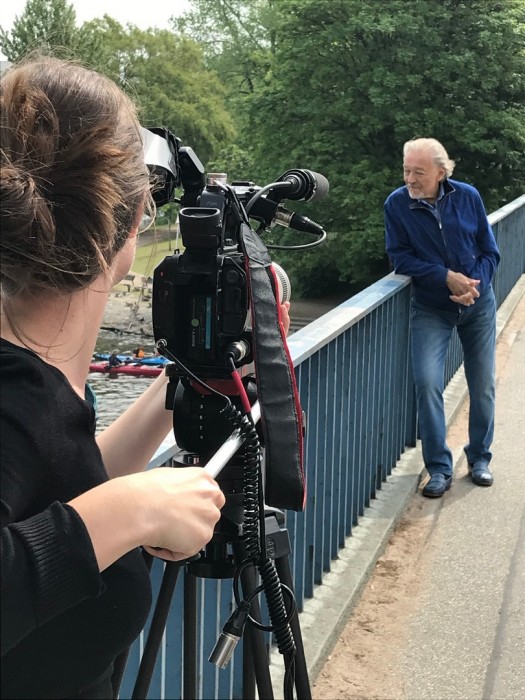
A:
[325,615]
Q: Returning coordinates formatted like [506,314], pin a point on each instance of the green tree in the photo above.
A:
[351,80]
[168,79]
[165,74]
[237,39]
[42,25]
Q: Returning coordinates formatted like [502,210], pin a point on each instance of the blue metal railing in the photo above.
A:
[354,380]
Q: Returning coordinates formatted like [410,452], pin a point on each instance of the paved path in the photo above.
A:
[467,637]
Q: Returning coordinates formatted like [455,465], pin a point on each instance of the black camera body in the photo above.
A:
[201,304]
[200,297]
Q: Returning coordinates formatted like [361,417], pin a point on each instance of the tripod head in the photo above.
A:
[203,419]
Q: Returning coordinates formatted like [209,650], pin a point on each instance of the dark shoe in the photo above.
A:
[480,474]
[437,485]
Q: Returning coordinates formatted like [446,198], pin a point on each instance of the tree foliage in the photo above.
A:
[337,86]
[42,25]
[168,79]
[351,80]
[237,39]
[164,73]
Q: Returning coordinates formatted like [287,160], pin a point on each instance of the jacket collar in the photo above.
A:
[448,188]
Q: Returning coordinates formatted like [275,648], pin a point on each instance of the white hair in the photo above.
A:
[436,150]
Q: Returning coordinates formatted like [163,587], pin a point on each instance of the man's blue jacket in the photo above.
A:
[425,246]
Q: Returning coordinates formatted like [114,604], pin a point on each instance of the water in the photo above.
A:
[116,393]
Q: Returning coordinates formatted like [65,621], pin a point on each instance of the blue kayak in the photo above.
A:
[152,360]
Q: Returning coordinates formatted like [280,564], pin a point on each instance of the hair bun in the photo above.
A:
[17,190]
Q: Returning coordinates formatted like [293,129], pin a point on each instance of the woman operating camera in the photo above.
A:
[76,507]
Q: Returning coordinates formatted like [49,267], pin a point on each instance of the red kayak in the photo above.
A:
[132,370]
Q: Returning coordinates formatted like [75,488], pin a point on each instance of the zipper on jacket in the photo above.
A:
[447,259]
[436,214]
[434,211]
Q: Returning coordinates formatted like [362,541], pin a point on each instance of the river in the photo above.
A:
[115,394]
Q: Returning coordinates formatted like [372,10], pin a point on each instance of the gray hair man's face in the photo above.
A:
[422,176]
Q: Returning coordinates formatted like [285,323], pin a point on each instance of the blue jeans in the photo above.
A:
[431,330]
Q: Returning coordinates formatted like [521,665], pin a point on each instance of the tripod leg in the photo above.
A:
[248,676]
[121,661]
[190,638]
[302,682]
[158,623]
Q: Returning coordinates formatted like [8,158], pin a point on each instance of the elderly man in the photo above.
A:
[437,233]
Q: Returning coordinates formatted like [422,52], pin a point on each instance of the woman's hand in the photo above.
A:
[172,510]
[285,316]
[183,507]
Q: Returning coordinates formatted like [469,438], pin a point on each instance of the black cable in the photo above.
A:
[248,598]
[263,190]
[279,616]
[304,246]
[289,677]
[163,345]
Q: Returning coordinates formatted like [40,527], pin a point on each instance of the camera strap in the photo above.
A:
[281,413]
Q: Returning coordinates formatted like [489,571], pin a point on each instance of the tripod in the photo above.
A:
[217,563]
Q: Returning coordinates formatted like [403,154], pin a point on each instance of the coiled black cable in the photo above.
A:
[278,614]
[253,535]
[252,469]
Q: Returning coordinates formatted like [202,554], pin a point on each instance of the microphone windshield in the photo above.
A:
[305,185]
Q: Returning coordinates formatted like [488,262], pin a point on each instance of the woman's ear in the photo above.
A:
[139,225]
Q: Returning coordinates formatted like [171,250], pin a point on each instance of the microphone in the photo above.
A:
[304,185]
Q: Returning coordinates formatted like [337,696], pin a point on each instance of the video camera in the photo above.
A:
[216,306]
[216,313]
[201,304]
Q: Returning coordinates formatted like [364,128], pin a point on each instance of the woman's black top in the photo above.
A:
[63,622]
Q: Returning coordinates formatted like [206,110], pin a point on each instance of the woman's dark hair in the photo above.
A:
[73,179]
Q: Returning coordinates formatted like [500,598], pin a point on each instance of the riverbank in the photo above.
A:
[130,312]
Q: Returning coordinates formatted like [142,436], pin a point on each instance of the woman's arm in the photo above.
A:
[51,561]
[48,567]
[173,510]
[129,443]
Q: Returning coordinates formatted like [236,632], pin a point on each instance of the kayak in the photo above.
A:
[152,360]
[132,370]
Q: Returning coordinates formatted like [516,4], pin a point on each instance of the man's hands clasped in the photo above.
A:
[464,289]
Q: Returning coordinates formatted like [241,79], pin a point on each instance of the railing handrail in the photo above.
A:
[505,210]
[321,331]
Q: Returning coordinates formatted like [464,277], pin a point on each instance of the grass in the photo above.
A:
[149,256]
